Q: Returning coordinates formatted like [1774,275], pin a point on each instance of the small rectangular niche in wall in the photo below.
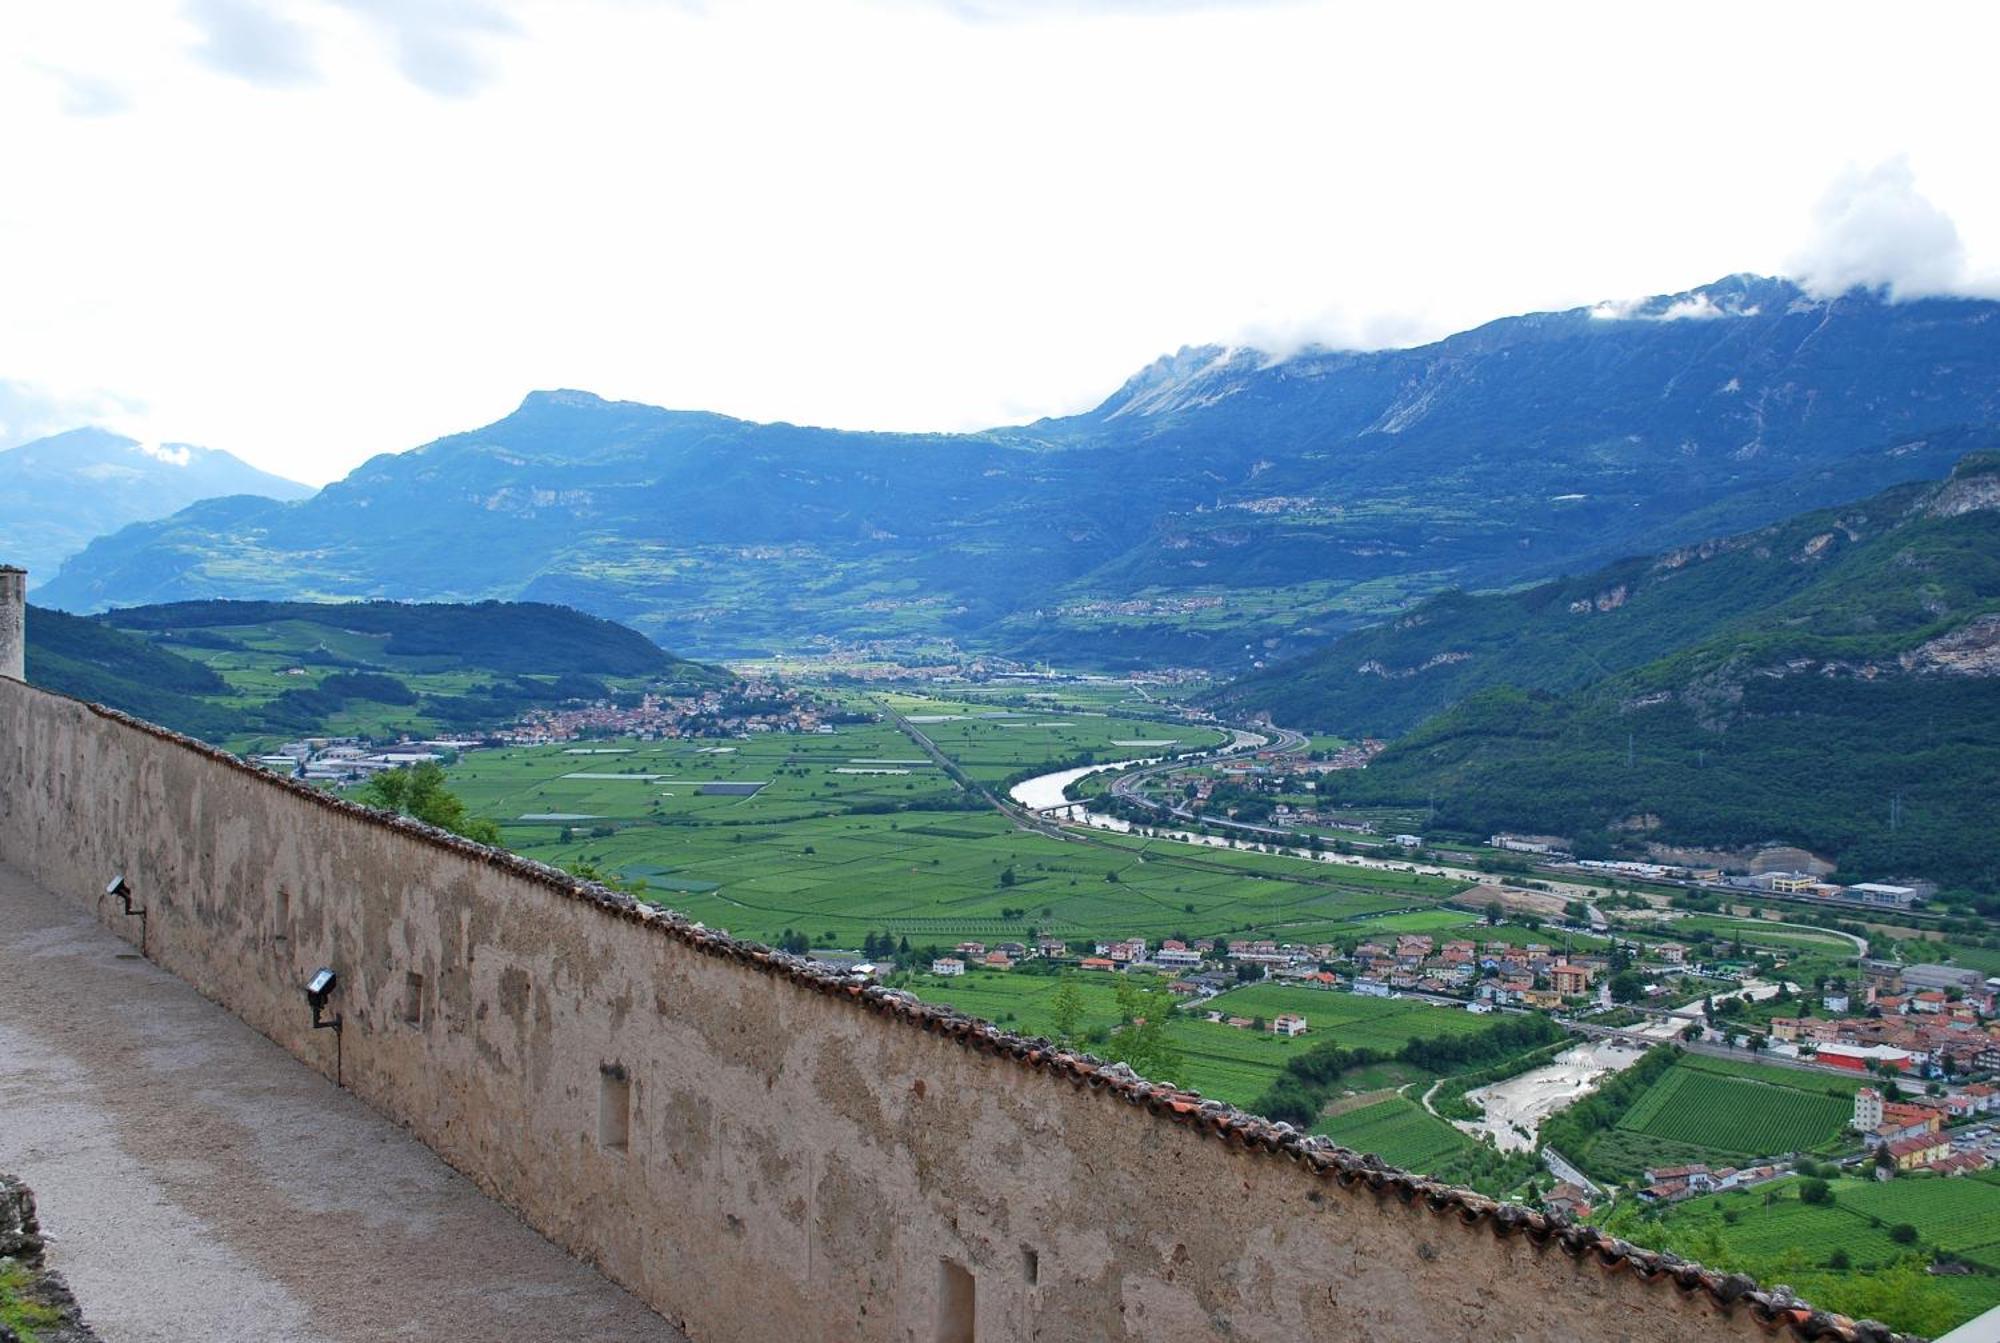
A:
[413,998]
[614,1107]
[1031,1266]
[955,1303]
[281,915]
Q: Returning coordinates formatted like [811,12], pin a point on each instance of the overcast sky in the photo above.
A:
[316,230]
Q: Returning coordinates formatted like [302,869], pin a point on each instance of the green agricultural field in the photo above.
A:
[1986,960]
[1823,1083]
[994,745]
[1022,1002]
[1229,1062]
[835,835]
[1735,1115]
[1770,1233]
[1350,1019]
[1961,1215]
[1399,1131]
[1758,932]
[1449,923]
[1226,1062]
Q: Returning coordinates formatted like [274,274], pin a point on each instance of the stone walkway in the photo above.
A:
[197,1183]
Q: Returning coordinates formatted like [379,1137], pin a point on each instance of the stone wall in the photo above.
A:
[56,1318]
[13,622]
[761,1151]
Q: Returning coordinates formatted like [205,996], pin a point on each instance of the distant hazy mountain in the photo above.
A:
[57,493]
[1221,506]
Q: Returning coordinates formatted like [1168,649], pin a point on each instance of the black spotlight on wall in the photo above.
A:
[120,890]
[318,989]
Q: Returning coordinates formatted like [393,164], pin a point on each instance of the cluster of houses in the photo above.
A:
[1491,974]
[1910,1134]
[1925,1020]
[1669,1184]
[1279,772]
[751,707]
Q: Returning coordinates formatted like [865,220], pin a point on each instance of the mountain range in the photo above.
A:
[1830,681]
[58,493]
[1221,508]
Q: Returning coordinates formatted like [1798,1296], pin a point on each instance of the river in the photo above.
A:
[1046,790]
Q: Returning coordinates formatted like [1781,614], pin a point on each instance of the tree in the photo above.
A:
[1691,1032]
[1131,1002]
[1627,986]
[1494,913]
[420,792]
[1066,1010]
[1815,1191]
[1143,1043]
[1007,875]
[1903,1233]
[1838,1260]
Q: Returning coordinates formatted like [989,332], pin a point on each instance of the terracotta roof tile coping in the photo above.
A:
[1774,1309]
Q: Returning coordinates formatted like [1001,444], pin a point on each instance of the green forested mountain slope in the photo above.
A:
[1577,630]
[514,637]
[1832,682]
[94,662]
[1222,506]
[229,671]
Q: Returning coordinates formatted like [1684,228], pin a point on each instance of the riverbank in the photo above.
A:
[1515,1108]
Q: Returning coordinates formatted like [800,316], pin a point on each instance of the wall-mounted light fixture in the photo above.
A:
[120,890]
[318,989]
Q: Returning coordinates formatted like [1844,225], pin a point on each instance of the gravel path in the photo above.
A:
[197,1182]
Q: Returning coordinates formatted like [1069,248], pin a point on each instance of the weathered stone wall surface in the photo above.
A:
[799,1157]
[13,621]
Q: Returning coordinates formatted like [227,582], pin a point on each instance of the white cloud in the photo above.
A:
[331,228]
[439,43]
[29,412]
[173,454]
[83,96]
[1874,229]
[253,41]
[1696,307]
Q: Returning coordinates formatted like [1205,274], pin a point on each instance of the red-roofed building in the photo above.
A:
[1911,1153]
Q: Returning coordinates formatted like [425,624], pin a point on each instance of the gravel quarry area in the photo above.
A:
[1516,1107]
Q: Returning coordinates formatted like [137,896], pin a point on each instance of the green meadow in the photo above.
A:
[1233,1063]
[1771,1232]
[995,744]
[838,834]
